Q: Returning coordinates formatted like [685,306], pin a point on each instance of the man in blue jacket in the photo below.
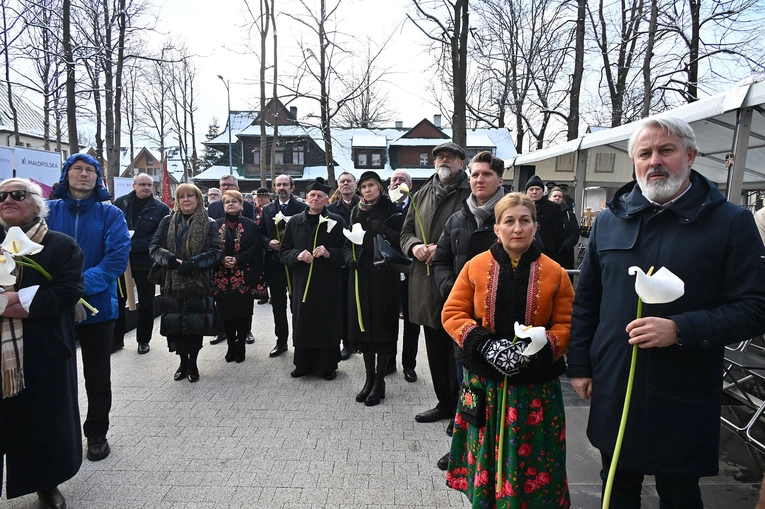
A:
[671,217]
[142,212]
[83,212]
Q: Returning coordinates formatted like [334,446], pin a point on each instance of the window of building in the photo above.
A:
[29,145]
[604,163]
[424,159]
[256,156]
[361,160]
[564,163]
[298,154]
[149,161]
[66,153]
[279,156]
[376,160]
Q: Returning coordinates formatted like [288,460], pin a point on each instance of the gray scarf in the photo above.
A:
[485,211]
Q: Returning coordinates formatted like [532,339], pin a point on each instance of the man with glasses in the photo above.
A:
[215,209]
[288,206]
[440,197]
[213,195]
[84,213]
[142,212]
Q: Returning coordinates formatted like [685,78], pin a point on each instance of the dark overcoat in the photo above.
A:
[267,226]
[194,315]
[378,286]
[317,322]
[40,427]
[235,288]
[714,247]
[143,228]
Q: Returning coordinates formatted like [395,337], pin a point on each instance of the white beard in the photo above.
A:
[444,173]
[662,189]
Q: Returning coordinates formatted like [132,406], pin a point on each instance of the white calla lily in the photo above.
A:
[396,194]
[403,188]
[279,217]
[355,234]
[17,243]
[330,224]
[7,265]
[3,303]
[660,288]
[537,335]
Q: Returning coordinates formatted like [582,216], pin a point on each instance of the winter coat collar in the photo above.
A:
[629,200]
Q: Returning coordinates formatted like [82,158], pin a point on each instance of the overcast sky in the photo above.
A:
[214,32]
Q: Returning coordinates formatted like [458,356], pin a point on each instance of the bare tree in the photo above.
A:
[321,64]
[71,98]
[370,107]
[576,77]
[12,28]
[451,35]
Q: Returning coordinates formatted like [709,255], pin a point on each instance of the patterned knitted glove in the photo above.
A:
[505,355]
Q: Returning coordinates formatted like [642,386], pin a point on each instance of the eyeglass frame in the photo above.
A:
[5,194]
[446,157]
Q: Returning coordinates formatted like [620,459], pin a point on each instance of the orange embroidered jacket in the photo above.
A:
[477,310]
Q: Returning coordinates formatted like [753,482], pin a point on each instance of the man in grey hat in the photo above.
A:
[440,197]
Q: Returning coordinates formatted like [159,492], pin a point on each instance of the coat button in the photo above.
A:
[705,342]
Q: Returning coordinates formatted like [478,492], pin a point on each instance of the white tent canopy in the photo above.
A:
[732,121]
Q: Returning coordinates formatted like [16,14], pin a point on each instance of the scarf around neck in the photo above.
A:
[12,330]
[188,236]
[485,211]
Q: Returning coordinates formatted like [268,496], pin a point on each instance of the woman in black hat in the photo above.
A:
[378,287]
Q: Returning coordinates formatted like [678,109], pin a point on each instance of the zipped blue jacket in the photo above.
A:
[101,232]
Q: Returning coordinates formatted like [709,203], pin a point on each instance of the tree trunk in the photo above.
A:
[326,133]
[108,99]
[14,113]
[693,57]
[647,89]
[71,105]
[275,97]
[576,79]
[264,24]
[459,71]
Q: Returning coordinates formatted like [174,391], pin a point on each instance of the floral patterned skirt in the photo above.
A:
[534,451]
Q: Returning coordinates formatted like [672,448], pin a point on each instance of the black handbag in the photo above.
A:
[388,257]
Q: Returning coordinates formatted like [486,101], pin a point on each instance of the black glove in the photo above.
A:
[174,263]
[186,268]
[377,226]
[352,264]
[505,355]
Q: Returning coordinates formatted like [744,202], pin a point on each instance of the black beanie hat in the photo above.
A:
[319,185]
[534,181]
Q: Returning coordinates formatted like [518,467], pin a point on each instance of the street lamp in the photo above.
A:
[228,94]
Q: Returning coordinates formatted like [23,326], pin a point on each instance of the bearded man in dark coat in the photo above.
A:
[313,248]
[671,217]
[39,413]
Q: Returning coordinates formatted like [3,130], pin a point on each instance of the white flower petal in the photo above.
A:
[6,270]
[404,188]
[396,194]
[3,303]
[356,234]
[660,288]
[538,336]
[330,224]
[17,243]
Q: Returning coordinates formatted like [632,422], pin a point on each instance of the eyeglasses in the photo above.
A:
[19,195]
[80,169]
[227,185]
[446,157]
[230,202]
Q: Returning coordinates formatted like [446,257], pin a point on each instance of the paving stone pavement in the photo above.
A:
[249,436]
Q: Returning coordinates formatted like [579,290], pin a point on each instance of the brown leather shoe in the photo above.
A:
[52,498]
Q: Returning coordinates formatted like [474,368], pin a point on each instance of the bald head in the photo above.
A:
[142,185]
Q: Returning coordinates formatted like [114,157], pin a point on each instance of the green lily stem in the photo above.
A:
[28,262]
[356,276]
[422,228]
[310,271]
[625,413]
[286,270]
[503,409]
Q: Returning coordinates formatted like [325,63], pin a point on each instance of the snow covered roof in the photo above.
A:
[215,173]
[29,116]
[369,141]
[239,121]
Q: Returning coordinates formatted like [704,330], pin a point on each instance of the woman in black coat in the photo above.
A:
[40,417]
[185,248]
[570,229]
[378,287]
[236,275]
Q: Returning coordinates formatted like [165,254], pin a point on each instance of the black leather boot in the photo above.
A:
[362,396]
[231,352]
[378,391]
[240,348]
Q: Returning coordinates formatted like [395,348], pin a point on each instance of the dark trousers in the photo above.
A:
[344,331]
[96,348]
[411,332]
[674,492]
[146,291]
[443,369]
[236,328]
[278,285]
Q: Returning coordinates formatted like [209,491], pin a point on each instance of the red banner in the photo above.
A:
[166,193]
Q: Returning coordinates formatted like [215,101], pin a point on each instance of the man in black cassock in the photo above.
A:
[317,318]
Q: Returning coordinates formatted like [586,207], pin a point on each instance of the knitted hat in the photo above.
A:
[534,181]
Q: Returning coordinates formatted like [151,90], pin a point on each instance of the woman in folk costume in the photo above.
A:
[236,275]
[378,286]
[40,432]
[510,454]
[313,247]
[186,248]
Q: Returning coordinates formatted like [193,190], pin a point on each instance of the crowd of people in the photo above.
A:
[487,282]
